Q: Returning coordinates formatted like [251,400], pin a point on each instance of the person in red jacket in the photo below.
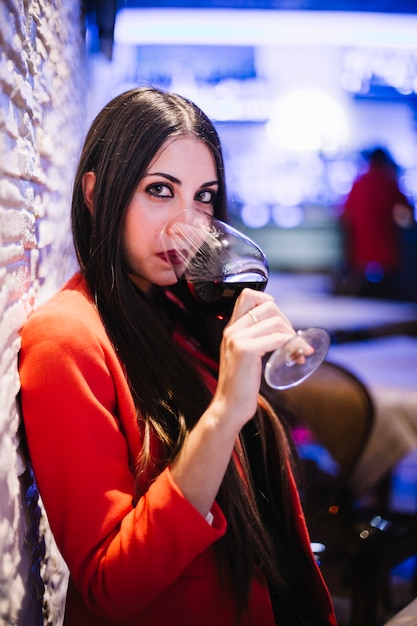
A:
[165,475]
[374,212]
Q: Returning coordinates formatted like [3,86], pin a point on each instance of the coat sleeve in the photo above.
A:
[81,430]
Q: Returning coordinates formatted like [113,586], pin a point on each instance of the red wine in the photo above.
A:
[218,296]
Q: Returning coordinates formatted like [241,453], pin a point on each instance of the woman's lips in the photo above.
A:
[172,256]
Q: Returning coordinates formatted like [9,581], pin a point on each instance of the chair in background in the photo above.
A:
[406,617]
[331,417]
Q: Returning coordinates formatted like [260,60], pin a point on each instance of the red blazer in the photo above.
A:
[372,235]
[151,564]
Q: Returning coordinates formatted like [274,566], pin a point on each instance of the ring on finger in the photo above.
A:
[253,316]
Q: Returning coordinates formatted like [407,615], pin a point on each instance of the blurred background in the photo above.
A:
[300,91]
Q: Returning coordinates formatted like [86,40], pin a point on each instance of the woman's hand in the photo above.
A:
[256,327]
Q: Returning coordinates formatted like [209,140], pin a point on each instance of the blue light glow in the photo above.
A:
[257,27]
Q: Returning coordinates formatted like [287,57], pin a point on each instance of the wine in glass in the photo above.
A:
[213,263]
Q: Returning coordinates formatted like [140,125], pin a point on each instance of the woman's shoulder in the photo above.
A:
[64,344]
[69,314]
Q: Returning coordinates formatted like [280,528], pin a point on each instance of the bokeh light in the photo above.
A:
[308,120]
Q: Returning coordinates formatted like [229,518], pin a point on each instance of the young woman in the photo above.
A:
[165,475]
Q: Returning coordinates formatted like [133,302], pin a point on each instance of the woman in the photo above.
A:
[164,474]
[374,213]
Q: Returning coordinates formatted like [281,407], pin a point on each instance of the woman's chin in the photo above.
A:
[167,280]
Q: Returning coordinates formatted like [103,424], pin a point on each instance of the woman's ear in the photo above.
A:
[88,183]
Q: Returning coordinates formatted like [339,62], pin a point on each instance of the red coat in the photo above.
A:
[372,235]
[151,564]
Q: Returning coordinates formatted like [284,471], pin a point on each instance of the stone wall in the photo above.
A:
[42,78]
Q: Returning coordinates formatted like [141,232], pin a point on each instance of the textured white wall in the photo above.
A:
[41,125]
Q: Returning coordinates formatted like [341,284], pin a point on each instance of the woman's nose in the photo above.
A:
[189,210]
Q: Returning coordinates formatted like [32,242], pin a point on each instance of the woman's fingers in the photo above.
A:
[253,307]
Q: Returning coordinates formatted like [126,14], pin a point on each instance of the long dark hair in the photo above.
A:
[168,392]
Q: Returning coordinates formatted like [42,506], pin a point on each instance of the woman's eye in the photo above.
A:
[205,196]
[160,190]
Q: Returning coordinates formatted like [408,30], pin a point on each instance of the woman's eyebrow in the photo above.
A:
[167,176]
[173,179]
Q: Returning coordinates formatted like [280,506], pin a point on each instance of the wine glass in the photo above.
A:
[213,263]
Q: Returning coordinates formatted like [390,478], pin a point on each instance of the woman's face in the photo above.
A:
[182,176]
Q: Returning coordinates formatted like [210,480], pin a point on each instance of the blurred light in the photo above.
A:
[341,176]
[258,27]
[287,216]
[228,100]
[374,272]
[289,187]
[369,69]
[255,216]
[379,522]
[307,119]
[408,182]
[317,547]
